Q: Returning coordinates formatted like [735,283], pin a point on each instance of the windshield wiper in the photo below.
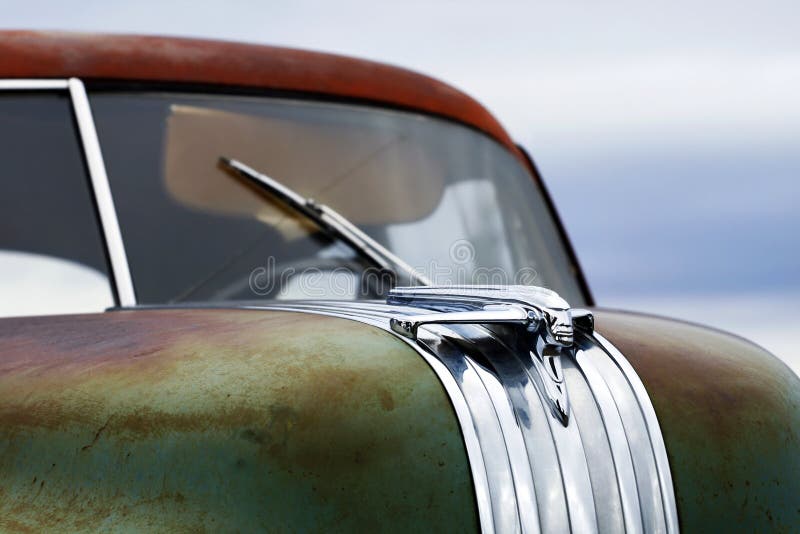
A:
[329,221]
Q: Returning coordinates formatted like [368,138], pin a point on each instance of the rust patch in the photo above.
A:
[387,402]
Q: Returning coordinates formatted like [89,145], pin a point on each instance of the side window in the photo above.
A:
[52,258]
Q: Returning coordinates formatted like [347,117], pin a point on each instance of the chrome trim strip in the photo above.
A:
[644,463]
[602,471]
[551,498]
[620,450]
[102,192]
[470,432]
[489,425]
[510,414]
[575,475]
[523,491]
[32,85]
[658,446]
[571,462]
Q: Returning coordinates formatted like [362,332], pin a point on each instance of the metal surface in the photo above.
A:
[540,312]
[545,309]
[586,476]
[224,420]
[653,437]
[498,314]
[617,439]
[32,85]
[729,413]
[123,283]
[29,54]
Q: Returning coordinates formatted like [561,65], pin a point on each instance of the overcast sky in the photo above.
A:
[667,133]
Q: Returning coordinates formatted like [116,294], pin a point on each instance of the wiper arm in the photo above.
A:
[328,220]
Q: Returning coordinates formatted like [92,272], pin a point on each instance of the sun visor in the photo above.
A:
[370,174]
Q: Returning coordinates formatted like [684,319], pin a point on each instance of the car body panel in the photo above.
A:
[223,419]
[730,415]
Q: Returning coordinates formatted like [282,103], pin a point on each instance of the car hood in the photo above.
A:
[317,416]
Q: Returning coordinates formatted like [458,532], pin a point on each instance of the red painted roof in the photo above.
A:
[27,54]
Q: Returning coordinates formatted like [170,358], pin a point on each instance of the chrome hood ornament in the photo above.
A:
[542,313]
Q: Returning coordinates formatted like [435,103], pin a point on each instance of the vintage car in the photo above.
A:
[250,288]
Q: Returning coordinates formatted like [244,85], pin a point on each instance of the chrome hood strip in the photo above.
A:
[604,471]
[658,447]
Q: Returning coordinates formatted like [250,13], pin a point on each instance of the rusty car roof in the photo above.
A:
[30,54]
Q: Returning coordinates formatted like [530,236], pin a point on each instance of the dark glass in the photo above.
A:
[448,200]
[48,224]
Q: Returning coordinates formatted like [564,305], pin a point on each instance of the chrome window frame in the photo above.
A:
[120,279]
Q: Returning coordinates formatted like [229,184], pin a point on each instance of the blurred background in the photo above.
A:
[669,135]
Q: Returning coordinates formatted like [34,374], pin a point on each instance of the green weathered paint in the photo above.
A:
[730,415]
[193,420]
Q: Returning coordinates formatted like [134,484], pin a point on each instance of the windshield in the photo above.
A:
[450,201]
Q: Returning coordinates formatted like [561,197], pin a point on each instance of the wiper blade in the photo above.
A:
[328,220]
